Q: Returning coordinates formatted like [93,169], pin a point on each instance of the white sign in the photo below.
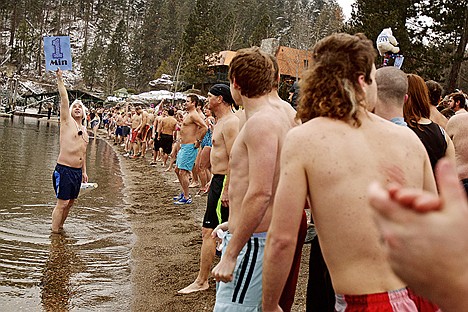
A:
[57,53]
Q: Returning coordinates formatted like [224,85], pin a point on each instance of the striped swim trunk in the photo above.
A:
[244,293]
[401,300]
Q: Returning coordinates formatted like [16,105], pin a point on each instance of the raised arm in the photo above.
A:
[64,102]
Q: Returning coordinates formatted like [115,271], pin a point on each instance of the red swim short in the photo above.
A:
[402,300]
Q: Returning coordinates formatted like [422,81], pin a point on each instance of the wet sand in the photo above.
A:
[165,256]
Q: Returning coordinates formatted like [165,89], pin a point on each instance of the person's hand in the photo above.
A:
[426,236]
[197,144]
[225,199]
[84,178]
[224,270]
[223,226]
[59,73]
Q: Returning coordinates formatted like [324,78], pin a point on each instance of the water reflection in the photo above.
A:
[88,270]
[56,287]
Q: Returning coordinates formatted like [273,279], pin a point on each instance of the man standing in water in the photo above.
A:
[71,163]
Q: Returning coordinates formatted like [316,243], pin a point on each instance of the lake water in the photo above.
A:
[88,268]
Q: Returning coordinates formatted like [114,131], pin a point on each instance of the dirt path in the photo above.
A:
[165,255]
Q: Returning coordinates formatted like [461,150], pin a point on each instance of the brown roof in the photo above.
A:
[293,62]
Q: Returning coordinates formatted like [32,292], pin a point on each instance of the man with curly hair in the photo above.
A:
[338,150]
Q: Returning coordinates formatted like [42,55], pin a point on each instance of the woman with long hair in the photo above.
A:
[417,113]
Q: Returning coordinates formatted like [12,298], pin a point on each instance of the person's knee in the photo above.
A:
[206,233]
[63,204]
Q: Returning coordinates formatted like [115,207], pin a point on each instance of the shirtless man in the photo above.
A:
[120,122]
[143,131]
[150,123]
[217,211]
[156,145]
[165,134]
[457,129]
[338,149]
[254,169]
[458,103]
[392,86]
[135,126]
[70,170]
[191,133]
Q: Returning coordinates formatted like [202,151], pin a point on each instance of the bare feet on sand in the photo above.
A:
[193,288]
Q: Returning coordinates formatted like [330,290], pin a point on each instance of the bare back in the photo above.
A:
[339,162]
[168,125]
[457,129]
[255,166]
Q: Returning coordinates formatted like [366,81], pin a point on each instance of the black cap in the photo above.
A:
[224,91]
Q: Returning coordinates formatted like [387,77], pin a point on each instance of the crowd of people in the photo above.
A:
[375,154]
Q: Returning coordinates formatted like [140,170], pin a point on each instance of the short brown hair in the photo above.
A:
[417,105]
[193,98]
[253,71]
[330,88]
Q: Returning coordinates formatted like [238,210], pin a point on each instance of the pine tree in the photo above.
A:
[116,59]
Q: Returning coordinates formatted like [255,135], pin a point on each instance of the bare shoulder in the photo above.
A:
[231,122]
[458,120]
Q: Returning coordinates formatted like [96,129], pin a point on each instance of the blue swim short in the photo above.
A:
[244,293]
[186,156]
[67,182]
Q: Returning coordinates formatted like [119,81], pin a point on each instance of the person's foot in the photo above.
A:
[134,157]
[194,184]
[193,288]
[184,201]
[178,197]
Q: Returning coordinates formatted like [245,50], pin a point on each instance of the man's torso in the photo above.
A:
[340,162]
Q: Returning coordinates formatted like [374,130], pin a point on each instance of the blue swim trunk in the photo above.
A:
[67,182]
[186,156]
[207,139]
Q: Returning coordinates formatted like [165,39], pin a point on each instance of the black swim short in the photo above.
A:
[125,131]
[166,142]
[67,182]
[215,213]
[156,143]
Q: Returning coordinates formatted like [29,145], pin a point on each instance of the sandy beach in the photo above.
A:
[165,256]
